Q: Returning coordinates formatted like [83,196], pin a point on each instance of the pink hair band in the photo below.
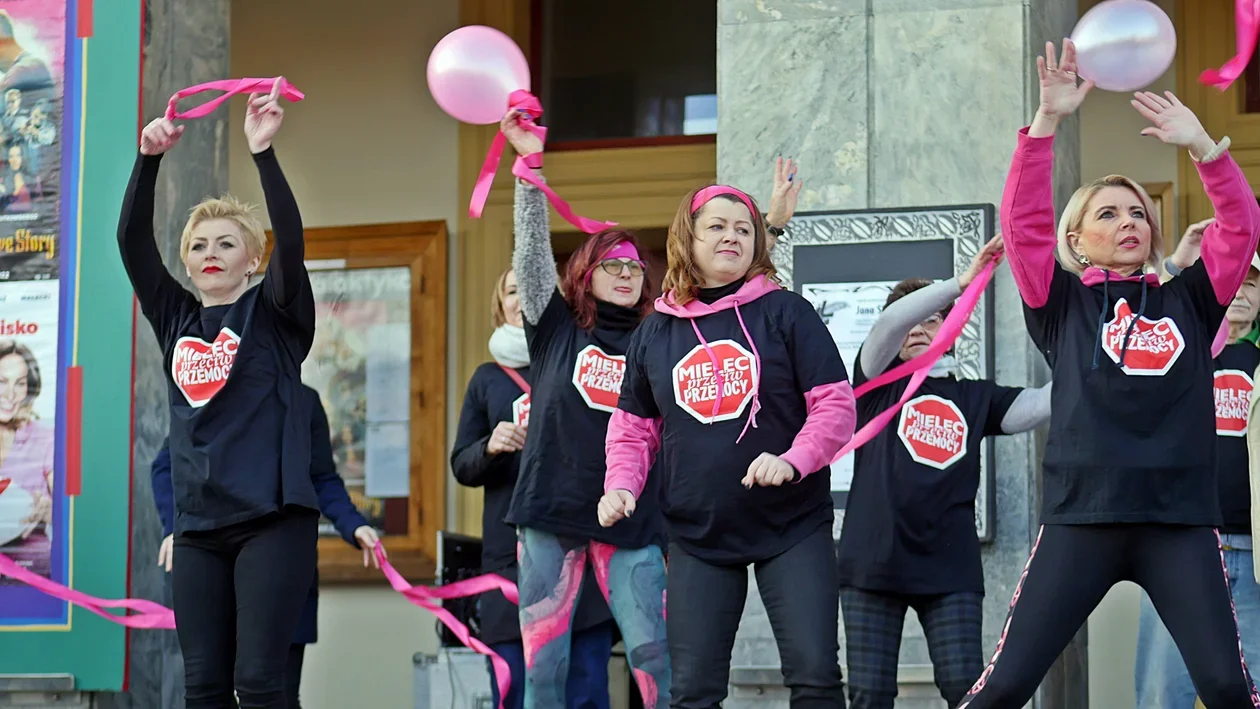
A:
[703,196]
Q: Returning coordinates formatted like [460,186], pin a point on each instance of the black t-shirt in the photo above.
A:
[1232,379]
[910,522]
[240,433]
[1138,444]
[492,397]
[577,379]
[670,376]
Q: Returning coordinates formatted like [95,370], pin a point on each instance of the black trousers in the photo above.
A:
[800,589]
[293,675]
[1070,570]
[873,621]
[238,594]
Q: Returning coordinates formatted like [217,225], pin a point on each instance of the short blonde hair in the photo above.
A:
[497,317]
[233,210]
[1073,218]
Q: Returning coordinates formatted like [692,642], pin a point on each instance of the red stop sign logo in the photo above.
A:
[1233,401]
[698,386]
[1154,345]
[520,411]
[933,431]
[597,377]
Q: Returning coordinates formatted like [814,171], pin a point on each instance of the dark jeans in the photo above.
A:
[238,595]
[1070,570]
[587,684]
[800,589]
[873,621]
[293,675]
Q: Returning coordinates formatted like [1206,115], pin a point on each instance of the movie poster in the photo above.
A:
[32,56]
[360,363]
[29,528]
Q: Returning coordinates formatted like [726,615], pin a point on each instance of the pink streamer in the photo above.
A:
[1246,27]
[231,87]
[527,103]
[150,615]
[921,365]
[424,597]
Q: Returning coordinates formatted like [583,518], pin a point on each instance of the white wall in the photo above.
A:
[368,145]
[1111,143]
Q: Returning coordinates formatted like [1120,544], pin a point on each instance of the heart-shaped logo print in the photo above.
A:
[200,368]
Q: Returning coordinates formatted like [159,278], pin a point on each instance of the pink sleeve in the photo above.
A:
[1230,241]
[829,424]
[1222,337]
[1027,217]
[629,449]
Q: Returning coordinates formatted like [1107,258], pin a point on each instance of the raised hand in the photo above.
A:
[263,116]
[159,136]
[523,142]
[1175,124]
[1060,94]
[993,251]
[1188,247]
[787,187]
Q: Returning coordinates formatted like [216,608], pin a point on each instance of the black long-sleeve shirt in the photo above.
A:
[240,426]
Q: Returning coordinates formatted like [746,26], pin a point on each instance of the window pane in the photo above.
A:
[608,75]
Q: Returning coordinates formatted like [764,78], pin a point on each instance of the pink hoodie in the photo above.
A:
[633,441]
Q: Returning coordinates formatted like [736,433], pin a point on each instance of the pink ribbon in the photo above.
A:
[920,366]
[230,87]
[527,103]
[150,615]
[1246,26]
[424,597]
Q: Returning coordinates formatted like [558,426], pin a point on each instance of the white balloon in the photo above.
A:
[1124,45]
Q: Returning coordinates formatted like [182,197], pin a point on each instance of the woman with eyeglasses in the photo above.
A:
[909,535]
[577,336]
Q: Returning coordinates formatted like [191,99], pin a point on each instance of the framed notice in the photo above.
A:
[846,263]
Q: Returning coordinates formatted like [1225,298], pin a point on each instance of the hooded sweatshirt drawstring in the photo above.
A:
[721,379]
[1102,319]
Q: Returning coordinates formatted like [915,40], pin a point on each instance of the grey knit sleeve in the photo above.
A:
[532,259]
[1029,410]
[884,340]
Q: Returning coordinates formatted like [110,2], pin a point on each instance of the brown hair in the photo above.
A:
[682,276]
[909,286]
[497,317]
[576,287]
[33,379]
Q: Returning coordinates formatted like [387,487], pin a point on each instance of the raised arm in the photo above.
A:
[287,285]
[155,288]
[899,318]
[532,258]
[1027,212]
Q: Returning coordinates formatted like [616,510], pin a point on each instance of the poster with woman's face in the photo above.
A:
[28,401]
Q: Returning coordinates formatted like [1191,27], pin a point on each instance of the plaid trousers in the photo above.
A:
[873,621]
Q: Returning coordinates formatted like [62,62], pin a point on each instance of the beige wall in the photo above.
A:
[1111,143]
[368,145]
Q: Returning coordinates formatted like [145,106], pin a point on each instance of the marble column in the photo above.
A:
[900,103]
[185,43]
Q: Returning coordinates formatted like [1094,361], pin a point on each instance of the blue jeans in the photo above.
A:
[1161,678]
[587,685]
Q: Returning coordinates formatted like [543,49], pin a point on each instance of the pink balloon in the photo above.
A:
[472,71]
[1124,45]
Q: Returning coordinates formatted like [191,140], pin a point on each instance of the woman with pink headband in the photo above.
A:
[743,384]
[577,343]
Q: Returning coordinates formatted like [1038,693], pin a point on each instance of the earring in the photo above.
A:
[1083,259]
[249,274]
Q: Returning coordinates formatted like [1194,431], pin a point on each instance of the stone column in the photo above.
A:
[899,103]
[185,43]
